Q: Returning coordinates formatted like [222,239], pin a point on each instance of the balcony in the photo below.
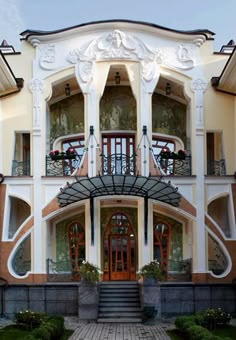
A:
[216,168]
[175,166]
[20,168]
[59,166]
[118,164]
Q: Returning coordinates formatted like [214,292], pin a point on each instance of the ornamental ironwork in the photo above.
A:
[216,168]
[62,166]
[20,168]
[118,164]
[175,166]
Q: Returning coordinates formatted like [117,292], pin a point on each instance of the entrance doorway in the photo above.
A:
[119,249]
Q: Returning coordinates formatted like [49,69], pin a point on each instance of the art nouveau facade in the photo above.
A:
[124,98]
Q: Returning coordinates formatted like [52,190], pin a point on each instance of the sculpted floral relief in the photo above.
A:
[119,45]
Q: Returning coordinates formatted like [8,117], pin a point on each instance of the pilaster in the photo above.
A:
[36,87]
[198,86]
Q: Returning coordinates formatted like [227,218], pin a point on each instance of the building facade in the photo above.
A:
[118,149]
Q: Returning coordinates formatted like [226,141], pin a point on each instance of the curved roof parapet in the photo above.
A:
[114,24]
[129,185]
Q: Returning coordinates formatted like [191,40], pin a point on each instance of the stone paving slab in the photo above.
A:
[110,331]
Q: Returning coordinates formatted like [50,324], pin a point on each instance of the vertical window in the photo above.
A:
[76,239]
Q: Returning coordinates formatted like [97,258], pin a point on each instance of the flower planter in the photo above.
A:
[59,157]
[169,156]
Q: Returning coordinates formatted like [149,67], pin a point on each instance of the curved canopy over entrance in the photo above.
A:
[146,187]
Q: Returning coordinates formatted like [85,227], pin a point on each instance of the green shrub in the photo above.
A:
[29,337]
[29,318]
[197,332]
[56,324]
[88,272]
[184,322]
[193,326]
[51,328]
[213,317]
[41,333]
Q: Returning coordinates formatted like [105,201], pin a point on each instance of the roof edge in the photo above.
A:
[208,34]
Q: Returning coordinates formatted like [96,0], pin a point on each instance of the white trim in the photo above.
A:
[13,252]
[224,249]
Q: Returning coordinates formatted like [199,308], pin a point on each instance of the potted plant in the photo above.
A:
[89,273]
[167,154]
[151,272]
[70,153]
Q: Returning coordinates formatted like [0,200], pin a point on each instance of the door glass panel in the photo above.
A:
[118,155]
[125,254]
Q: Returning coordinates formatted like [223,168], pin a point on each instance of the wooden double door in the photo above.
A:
[119,249]
[119,246]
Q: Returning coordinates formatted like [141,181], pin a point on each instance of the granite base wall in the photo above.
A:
[59,299]
[63,299]
[177,299]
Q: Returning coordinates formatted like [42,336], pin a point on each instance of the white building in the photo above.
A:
[124,97]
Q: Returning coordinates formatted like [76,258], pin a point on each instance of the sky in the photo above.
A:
[217,16]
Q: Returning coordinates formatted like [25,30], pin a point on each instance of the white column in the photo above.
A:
[198,86]
[144,251]
[91,120]
[145,120]
[92,249]
[36,87]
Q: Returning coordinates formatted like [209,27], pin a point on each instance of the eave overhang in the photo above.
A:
[154,188]
[226,82]
[198,36]
[9,84]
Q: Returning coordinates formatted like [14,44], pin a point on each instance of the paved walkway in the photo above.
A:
[110,331]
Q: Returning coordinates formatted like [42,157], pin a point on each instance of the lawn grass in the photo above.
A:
[227,331]
[175,334]
[15,332]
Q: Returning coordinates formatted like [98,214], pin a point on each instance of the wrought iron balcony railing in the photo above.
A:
[62,167]
[216,168]
[118,164]
[20,168]
[175,167]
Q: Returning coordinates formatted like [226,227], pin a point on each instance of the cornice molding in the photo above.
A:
[198,37]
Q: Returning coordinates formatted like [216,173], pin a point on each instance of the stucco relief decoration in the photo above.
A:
[36,87]
[199,87]
[184,57]
[119,45]
[115,45]
[47,59]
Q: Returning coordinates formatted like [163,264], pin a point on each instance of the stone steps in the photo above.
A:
[119,302]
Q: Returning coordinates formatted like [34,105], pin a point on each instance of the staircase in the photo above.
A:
[119,302]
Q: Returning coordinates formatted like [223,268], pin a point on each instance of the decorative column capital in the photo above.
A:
[198,85]
[36,85]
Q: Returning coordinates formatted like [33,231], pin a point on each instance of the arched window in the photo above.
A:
[161,244]
[76,238]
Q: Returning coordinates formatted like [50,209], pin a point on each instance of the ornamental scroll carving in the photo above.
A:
[119,45]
